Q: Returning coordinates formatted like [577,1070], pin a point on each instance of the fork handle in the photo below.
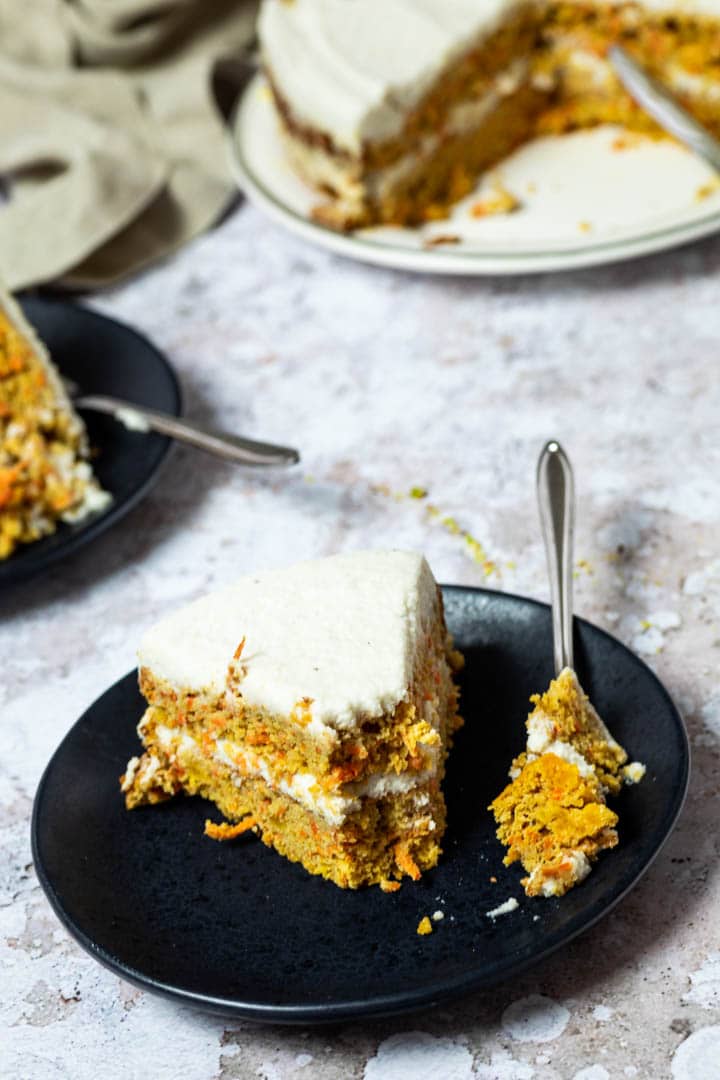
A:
[556,501]
[233,448]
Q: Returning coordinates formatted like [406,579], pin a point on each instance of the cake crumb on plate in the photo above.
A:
[503,909]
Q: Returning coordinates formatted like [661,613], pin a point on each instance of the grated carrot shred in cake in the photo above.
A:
[224,831]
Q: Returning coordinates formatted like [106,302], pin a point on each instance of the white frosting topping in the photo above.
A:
[354,68]
[342,631]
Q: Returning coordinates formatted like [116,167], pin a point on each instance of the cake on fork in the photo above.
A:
[553,815]
[314,705]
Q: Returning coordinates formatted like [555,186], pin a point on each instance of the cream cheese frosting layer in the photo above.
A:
[354,68]
[303,787]
[343,632]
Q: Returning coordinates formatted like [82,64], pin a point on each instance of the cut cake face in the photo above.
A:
[317,702]
[45,474]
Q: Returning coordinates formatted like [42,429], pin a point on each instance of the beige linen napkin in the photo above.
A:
[112,147]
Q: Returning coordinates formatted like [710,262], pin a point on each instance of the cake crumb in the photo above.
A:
[389,886]
[503,909]
[438,915]
[626,141]
[498,201]
[226,831]
[493,879]
[440,239]
[706,190]
[634,772]
[424,926]
[584,226]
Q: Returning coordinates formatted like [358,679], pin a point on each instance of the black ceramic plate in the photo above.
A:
[237,929]
[102,357]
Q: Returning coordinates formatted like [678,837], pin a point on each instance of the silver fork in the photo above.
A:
[556,502]
[233,448]
[663,107]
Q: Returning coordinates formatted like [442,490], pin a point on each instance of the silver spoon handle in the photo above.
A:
[663,107]
[230,447]
[556,500]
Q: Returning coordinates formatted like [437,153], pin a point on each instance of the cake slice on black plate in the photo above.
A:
[45,472]
[314,705]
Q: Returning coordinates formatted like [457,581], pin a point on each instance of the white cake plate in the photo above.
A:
[587,198]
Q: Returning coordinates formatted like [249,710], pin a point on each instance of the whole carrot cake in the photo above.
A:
[45,472]
[314,705]
[393,108]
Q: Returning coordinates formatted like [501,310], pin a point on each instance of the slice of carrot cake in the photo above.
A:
[392,109]
[553,816]
[314,705]
[45,474]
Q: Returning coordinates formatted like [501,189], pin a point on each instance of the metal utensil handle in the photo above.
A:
[230,447]
[663,107]
[556,500]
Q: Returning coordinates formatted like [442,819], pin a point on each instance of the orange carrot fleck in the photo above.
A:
[226,831]
[405,861]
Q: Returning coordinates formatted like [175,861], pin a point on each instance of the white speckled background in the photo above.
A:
[388,381]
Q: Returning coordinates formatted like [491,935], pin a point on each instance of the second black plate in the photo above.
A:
[101,356]
[238,929]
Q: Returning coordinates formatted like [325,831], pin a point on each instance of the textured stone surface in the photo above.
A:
[389,382]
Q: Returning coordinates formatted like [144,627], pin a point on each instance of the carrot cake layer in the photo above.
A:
[393,108]
[553,816]
[316,701]
[45,474]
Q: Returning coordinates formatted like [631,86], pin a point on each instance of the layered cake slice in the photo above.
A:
[392,109]
[314,705]
[553,816]
[45,474]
